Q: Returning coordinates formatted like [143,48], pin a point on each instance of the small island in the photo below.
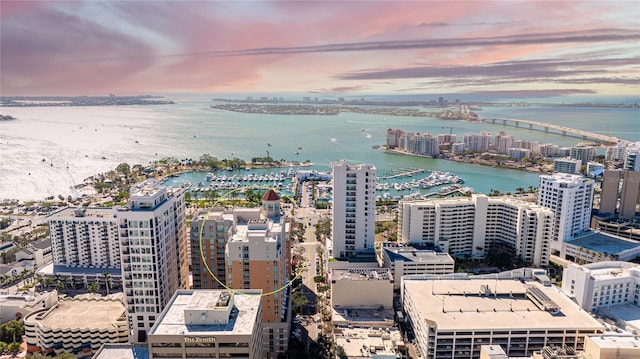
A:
[111,100]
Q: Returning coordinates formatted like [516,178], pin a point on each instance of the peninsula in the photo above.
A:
[111,100]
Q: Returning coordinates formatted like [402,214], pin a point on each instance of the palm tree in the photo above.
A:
[107,280]
[47,282]
[59,286]
[93,288]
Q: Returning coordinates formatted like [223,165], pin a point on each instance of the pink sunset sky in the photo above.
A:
[323,47]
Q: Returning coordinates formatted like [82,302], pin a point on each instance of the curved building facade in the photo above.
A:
[78,325]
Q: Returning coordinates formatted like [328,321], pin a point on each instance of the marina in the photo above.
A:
[285,181]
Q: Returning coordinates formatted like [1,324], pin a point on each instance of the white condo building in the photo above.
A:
[567,165]
[603,284]
[477,142]
[473,226]
[153,245]
[85,237]
[354,202]
[570,197]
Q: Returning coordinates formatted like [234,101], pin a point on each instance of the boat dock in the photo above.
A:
[402,173]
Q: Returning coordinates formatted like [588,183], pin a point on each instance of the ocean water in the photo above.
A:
[48,150]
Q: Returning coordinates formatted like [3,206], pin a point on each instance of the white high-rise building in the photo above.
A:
[354,203]
[632,157]
[584,153]
[477,142]
[153,247]
[474,226]
[603,284]
[615,152]
[570,197]
[85,237]
[504,143]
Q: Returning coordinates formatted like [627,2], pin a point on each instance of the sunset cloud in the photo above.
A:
[130,47]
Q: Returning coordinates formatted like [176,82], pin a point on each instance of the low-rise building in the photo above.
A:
[454,318]
[407,260]
[596,246]
[36,254]
[358,288]
[209,323]
[18,305]
[78,325]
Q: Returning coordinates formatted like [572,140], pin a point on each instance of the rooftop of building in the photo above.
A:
[565,178]
[122,351]
[628,314]
[359,342]
[616,341]
[83,212]
[415,254]
[495,304]
[271,195]
[380,317]
[611,269]
[361,274]
[603,242]
[89,311]
[53,269]
[241,320]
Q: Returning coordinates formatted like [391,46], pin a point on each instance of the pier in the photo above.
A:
[556,129]
[401,173]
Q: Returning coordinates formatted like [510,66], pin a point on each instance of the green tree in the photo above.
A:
[12,330]
[107,281]
[93,288]
[124,168]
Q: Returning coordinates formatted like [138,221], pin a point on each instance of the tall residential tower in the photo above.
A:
[354,204]
[153,248]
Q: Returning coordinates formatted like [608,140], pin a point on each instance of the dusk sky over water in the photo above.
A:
[544,48]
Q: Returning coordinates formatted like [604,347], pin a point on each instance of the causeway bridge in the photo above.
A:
[555,129]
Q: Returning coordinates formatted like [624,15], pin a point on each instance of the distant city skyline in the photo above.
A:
[512,48]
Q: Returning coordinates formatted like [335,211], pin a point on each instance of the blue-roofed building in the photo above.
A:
[596,246]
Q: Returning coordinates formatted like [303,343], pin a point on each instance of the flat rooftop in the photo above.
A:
[53,269]
[459,305]
[624,270]
[122,351]
[81,212]
[603,242]
[90,312]
[381,342]
[411,254]
[617,341]
[241,320]
[628,313]
[361,274]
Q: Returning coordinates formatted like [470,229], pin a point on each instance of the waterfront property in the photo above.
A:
[353,215]
[474,226]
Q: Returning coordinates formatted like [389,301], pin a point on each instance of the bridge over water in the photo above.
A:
[555,129]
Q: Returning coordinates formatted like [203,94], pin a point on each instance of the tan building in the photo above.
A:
[257,257]
[359,288]
[612,347]
[609,194]
[629,194]
[78,325]
[454,318]
[209,324]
